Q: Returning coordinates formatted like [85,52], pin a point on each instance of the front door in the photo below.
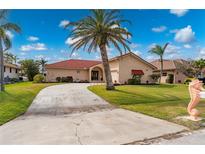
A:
[95,75]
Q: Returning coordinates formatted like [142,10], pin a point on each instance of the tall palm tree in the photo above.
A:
[158,50]
[42,62]
[5,42]
[100,30]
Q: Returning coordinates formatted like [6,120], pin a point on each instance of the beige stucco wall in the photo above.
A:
[99,68]
[13,73]
[128,63]
[52,74]
[114,68]
[179,76]
[120,71]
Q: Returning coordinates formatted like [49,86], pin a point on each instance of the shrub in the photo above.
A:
[170,78]
[187,80]
[155,77]
[67,79]
[58,79]
[39,78]
[134,81]
[14,80]
[83,81]
[130,81]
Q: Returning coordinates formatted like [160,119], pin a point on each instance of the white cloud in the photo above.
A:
[70,41]
[22,53]
[33,38]
[185,35]
[75,55]
[98,57]
[36,46]
[179,12]
[172,49]
[10,34]
[137,52]
[151,58]
[114,26]
[38,57]
[135,45]
[159,29]
[151,46]
[201,53]
[188,46]
[173,30]
[63,51]
[63,23]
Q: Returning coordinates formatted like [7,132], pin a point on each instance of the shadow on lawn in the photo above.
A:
[146,98]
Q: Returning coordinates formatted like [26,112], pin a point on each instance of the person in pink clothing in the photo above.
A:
[195,88]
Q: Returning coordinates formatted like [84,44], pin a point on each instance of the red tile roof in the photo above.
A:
[137,72]
[73,64]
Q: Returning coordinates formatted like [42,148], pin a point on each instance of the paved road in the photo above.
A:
[71,114]
[194,138]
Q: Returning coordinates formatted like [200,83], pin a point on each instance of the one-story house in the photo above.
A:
[176,68]
[122,68]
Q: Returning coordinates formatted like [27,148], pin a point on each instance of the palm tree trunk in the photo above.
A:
[109,84]
[161,69]
[1,67]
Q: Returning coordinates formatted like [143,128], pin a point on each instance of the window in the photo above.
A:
[164,74]
[10,69]
[16,71]
[78,71]
[4,69]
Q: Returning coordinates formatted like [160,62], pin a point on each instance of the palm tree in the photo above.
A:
[158,50]
[5,42]
[100,30]
[42,62]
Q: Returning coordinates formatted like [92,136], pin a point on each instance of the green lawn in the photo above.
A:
[17,98]
[160,101]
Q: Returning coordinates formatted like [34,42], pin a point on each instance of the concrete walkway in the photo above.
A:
[71,114]
[191,138]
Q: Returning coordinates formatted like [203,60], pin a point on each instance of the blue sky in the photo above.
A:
[43,36]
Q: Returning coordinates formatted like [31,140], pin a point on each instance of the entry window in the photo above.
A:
[10,69]
[94,75]
[16,70]
[164,74]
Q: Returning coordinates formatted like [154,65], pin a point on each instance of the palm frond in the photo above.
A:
[7,42]
[11,27]
[3,14]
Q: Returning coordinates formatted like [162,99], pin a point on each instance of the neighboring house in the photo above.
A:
[11,71]
[177,68]
[122,68]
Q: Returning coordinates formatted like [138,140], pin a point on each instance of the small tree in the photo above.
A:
[199,65]
[158,50]
[30,68]
[155,77]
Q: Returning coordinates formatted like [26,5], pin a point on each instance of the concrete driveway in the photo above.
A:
[71,114]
